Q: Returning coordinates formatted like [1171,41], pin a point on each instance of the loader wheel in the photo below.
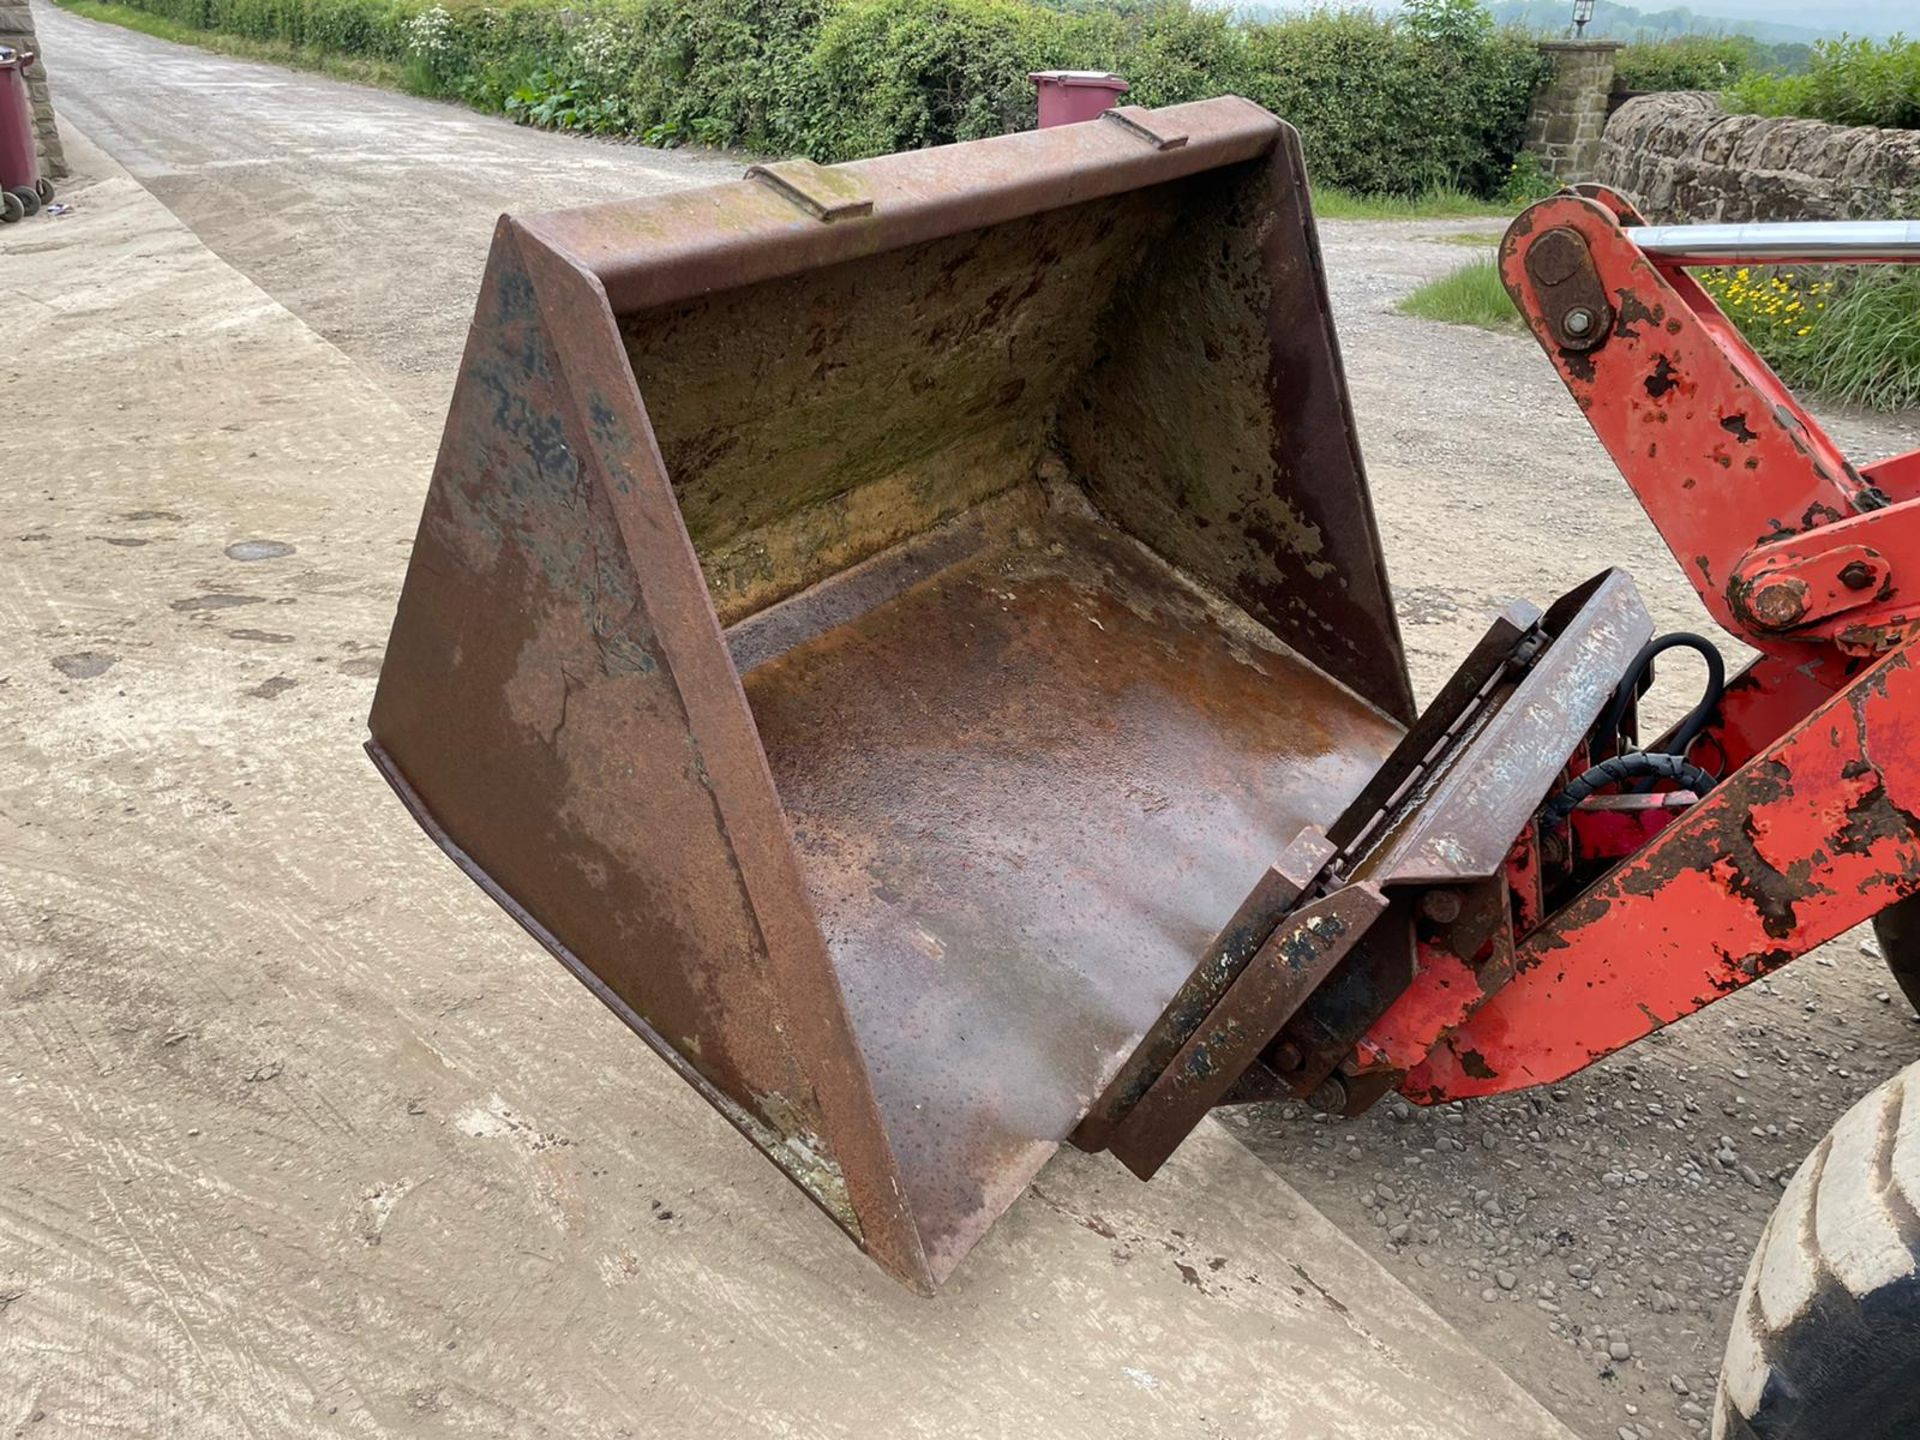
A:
[1826,1341]
[1897,928]
[28,197]
[43,187]
[11,210]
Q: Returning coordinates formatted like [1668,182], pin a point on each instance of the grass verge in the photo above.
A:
[362,69]
[1471,295]
[1847,334]
[1332,203]
[1868,350]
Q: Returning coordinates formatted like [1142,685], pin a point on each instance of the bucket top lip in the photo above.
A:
[657,250]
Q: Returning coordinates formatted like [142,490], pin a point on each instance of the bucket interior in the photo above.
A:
[1046,563]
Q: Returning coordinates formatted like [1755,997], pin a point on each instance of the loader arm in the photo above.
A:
[1604,916]
[1809,559]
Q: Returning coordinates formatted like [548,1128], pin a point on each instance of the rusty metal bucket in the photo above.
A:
[876,624]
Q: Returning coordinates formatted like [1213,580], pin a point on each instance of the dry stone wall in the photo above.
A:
[1684,158]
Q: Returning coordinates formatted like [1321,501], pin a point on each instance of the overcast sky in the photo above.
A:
[1879,17]
[1885,15]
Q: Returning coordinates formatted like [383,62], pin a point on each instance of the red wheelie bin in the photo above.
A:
[23,190]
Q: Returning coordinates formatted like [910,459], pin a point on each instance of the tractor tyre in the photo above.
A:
[1897,928]
[1825,1344]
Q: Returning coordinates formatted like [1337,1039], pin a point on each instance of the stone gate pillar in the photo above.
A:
[1570,112]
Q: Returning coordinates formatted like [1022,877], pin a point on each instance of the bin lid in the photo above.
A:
[1093,79]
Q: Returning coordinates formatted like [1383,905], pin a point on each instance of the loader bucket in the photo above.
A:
[874,624]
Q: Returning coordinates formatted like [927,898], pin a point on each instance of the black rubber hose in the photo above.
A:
[1607,732]
[1636,764]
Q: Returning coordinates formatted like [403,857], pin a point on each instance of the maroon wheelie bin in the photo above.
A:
[23,190]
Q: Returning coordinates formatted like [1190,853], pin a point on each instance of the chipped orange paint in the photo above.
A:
[1817,833]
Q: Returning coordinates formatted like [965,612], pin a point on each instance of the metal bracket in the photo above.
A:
[1453,822]
[1442,811]
[1572,299]
[824,192]
[1296,958]
[1799,584]
[1290,877]
[1838,581]
[1148,126]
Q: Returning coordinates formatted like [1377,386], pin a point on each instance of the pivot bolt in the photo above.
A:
[1441,906]
[1578,321]
[1330,1097]
[1779,603]
[1856,575]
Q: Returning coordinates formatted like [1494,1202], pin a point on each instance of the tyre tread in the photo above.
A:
[1825,1341]
[1857,1233]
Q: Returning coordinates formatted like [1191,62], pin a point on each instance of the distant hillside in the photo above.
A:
[1859,17]
[1613,21]
[1771,21]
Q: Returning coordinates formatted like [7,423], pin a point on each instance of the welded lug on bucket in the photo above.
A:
[1428,839]
[883,716]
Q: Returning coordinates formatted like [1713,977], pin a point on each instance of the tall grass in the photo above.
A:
[1442,203]
[1848,334]
[1470,295]
[1851,336]
[1868,349]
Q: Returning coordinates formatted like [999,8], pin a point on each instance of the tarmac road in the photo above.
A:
[366,213]
[1590,1238]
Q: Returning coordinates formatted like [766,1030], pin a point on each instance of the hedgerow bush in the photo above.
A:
[1435,96]
[1847,82]
[1690,62]
[898,74]
[723,72]
[1437,99]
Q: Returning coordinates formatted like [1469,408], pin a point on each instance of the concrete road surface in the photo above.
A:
[365,212]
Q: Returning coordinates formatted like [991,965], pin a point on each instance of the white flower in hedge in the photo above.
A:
[599,51]
[430,32]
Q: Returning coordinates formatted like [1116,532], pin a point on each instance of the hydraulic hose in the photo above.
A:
[1634,765]
[1607,732]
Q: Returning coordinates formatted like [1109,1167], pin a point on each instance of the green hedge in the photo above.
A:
[1847,82]
[1692,62]
[1435,96]
[1706,62]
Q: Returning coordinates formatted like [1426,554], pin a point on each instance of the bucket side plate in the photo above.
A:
[557,708]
